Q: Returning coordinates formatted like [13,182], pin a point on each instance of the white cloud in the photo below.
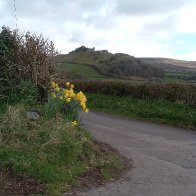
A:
[137,27]
[186,19]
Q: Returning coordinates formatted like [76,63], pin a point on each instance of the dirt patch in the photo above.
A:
[106,149]
[19,184]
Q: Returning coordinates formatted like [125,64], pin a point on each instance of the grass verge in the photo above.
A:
[49,155]
[152,110]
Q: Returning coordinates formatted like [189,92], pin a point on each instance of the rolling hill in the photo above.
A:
[175,70]
[167,63]
[88,63]
[117,65]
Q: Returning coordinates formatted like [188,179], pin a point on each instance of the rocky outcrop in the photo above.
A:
[83,49]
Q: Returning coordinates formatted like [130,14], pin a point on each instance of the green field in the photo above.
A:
[159,111]
[82,71]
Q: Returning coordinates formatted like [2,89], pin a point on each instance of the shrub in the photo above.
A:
[26,92]
[24,57]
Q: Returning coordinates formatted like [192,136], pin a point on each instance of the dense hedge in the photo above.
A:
[24,56]
[175,92]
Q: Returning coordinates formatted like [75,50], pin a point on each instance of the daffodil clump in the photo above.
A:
[66,101]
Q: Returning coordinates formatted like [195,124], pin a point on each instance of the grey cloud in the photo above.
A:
[77,37]
[161,30]
[81,38]
[50,10]
[58,11]
[54,9]
[102,22]
[143,7]
[95,23]
[166,24]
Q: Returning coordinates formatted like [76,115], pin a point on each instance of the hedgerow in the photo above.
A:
[175,92]
[24,56]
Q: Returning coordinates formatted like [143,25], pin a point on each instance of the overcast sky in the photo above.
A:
[143,28]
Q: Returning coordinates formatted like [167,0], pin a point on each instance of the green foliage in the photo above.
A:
[8,71]
[153,110]
[3,108]
[69,110]
[26,92]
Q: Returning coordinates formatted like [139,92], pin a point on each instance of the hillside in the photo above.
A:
[87,63]
[167,63]
[174,69]
[114,65]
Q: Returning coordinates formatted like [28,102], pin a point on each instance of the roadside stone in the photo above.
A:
[33,115]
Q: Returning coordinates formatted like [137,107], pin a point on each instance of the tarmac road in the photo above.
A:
[164,157]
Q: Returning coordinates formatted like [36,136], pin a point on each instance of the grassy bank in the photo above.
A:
[51,153]
[152,110]
[43,147]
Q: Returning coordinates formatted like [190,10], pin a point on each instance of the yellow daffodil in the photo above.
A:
[68,100]
[57,89]
[68,95]
[71,93]
[66,91]
[52,84]
[81,97]
[74,123]
[67,84]
[65,96]
[86,110]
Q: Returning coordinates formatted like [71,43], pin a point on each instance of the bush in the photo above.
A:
[26,92]
[24,57]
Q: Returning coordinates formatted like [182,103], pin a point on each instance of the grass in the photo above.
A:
[152,110]
[84,71]
[51,151]
[44,150]
[88,57]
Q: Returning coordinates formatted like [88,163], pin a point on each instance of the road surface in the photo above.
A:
[164,157]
